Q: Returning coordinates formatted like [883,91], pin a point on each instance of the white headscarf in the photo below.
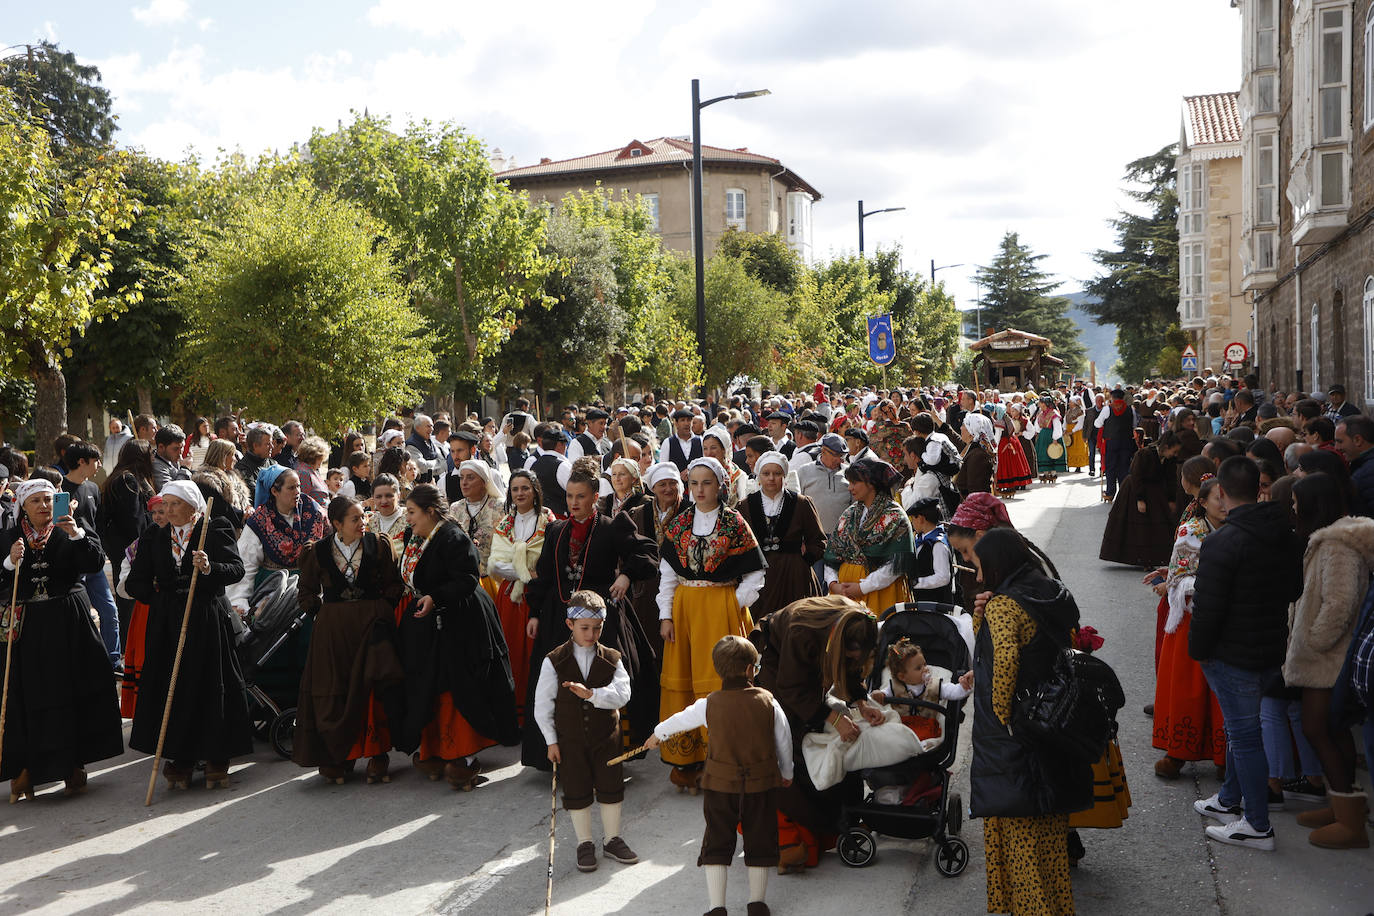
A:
[185,491]
[31,487]
[777,458]
[979,426]
[482,470]
[716,468]
[664,470]
[722,435]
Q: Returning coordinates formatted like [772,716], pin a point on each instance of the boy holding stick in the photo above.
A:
[749,755]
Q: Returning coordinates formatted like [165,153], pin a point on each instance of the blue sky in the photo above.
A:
[978,117]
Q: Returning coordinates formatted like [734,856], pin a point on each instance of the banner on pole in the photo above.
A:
[882,349]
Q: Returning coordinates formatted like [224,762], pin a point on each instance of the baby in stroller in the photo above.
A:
[908,675]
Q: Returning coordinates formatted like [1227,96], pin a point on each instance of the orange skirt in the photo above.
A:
[1188,723]
[448,735]
[925,728]
[133,660]
[376,737]
[515,617]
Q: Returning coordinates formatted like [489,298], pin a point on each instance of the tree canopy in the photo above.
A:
[1017,293]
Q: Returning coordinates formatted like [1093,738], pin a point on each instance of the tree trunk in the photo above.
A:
[178,410]
[446,402]
[614,393]
[49,409]
[145,400]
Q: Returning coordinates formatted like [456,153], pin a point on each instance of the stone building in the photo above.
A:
[1212,306]
[740,189]
[1307,107]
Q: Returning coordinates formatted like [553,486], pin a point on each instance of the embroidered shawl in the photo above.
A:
[523,555]
[282,540]
[727,553]
[872,541]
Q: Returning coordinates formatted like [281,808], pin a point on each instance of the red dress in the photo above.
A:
[1013,471]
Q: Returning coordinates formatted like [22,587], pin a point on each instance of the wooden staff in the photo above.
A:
[176,661]
[630,753]
[9,651]
[553,815]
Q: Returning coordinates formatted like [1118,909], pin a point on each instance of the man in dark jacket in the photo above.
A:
[1248,572]
[1355,440]
[1116,424]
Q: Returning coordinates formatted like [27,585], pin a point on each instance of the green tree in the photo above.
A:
[747,321]
[64,94]
[295,310]
[467,246]
[55,256]
[1139,289]
[766,256]
[1018,294]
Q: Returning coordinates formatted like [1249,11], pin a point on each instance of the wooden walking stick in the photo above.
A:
[553,815]
[176,661]
[9,652]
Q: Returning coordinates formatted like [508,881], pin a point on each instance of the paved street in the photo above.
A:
[282,841]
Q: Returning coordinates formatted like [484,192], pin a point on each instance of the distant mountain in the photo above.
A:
[1099,340]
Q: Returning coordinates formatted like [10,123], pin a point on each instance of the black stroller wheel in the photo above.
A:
[951,857]
[858,847]
[284,732]
[954,814]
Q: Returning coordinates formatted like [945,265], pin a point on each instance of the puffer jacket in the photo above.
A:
[1249,570]
[1336,571]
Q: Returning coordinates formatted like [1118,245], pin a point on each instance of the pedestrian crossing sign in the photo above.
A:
[1190,364]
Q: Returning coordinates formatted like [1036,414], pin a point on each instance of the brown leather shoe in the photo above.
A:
[586,856]
[616,848]
[217,774]
[432,768]
[758,908]
[75,783]
[716,911]
[461,776]
[178,775]
[791,858]
[378,769]
[1168,767]
[333,774]
[21,786]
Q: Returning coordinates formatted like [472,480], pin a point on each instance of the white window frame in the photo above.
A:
[1340,85]
[1264,250]
[740,221]
[651,204]
[1314,346]
[1369,69]
[1192,191]
[1267,216]
[1192,281]
[1369,340]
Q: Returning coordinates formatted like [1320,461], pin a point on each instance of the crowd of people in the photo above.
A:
[587,582]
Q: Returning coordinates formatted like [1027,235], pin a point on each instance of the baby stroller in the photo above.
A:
[927,808]
[276,617]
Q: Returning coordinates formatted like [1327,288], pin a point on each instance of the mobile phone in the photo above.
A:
[1156,580]
[61,505]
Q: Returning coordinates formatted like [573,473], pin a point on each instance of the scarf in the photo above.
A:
[282,540]
[704,554]
[35,539]
[880,535]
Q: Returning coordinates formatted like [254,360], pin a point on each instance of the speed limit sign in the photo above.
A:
[1237,353]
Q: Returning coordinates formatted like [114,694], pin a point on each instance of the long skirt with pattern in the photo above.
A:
[1111,794]
[1013,472]
[1028,865]
[515,618]
[702,615]
[883,598]
[133,660]
[1187,723]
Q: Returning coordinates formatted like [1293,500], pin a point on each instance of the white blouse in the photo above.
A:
[703,523]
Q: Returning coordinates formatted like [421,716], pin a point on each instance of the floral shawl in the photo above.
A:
[1183,569]
[523,555]
[726,554]
[479,527]
[282,541]
[872,541]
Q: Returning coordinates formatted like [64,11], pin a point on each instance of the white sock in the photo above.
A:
[715,884]
[467,761]
[610,820]
[758,883]
[582,824]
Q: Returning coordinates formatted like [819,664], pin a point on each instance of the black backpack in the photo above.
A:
[1072,711]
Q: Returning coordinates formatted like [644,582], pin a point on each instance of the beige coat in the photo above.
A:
[1336,572]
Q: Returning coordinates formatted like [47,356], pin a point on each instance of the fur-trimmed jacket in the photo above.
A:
[1336,572]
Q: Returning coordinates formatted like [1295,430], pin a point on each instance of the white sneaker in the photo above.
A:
[1240,833]
[1213,808]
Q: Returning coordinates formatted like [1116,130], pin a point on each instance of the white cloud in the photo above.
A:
[161,12]
[205,24]
[50,30]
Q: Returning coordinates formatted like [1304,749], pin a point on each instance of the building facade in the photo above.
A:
[740,189]
[1212,305]
[1308,146]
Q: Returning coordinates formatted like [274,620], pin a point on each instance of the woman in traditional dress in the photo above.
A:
[209,718]
[978,461]
[1049,440]
[388,515]
[350,585]
[459,696]
[138,617]
[665,500]
[872,542]
[592,551]
[1025,795]
[710,570]
[888,433]
[627,491]
[788,530]
[61,713]
[515,548]
[1075,441]
[479,512]
[717,444]
[1013,473]
[1140,528]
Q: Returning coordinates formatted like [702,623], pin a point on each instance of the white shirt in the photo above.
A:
[943,571]
[772,505]
[746,593]
[875,581]
[613,696]
[694,716]
[686,444]
[240,594]
[347,551]
[576,451]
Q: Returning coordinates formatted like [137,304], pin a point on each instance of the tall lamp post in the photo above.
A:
[863,216]
[698,235]
[933,268]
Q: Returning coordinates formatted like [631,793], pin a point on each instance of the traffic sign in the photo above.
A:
[1190,364]
[1237,352]
[1189,352]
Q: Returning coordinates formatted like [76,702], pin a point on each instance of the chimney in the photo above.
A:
[544,160]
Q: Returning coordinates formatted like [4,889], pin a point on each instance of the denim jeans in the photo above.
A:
[98,589]
[1276,717]
[1238,692]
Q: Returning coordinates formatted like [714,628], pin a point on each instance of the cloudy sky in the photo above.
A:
[978,117]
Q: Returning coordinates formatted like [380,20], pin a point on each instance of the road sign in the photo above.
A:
[882,349]
[1189,352]
[1190,364]
[1237,352]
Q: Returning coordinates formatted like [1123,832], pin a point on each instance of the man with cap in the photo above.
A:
[1116,424]
[823,481]
[777,431]
[681,448]
[856,440]
[1338,408]
[806,434]
[462,446]
[591,441]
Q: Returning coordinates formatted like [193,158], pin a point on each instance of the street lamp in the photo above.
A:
[698,236]
[863,216]
[933,268]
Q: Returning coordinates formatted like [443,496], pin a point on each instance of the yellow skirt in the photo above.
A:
[701,616]
[1111,795]
[883,598]
[1076,455]
[491,586]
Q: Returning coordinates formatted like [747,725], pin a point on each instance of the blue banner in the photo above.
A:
[882,349]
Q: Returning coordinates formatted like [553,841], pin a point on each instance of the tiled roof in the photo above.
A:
[1212,118]
[653,153]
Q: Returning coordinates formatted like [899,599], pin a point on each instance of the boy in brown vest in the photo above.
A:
[749,755]
[582,687]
